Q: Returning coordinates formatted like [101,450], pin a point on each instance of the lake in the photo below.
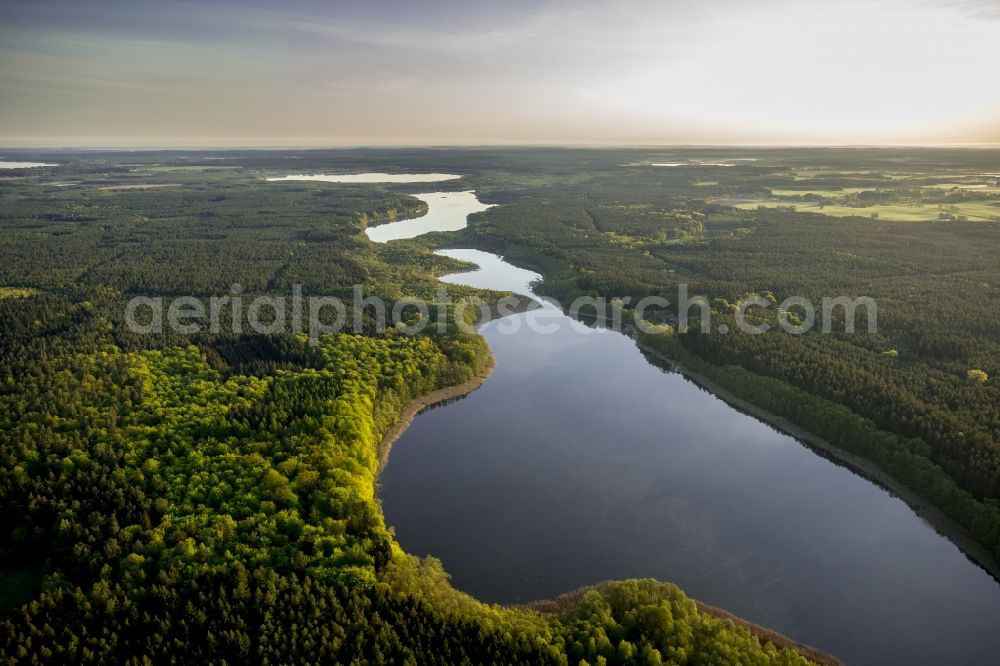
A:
[23,165]
[372,177]
[447,211]
[579,461]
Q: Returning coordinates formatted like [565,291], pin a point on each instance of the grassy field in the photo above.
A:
[971,187]
[897,212]
[16,292]
[820,192]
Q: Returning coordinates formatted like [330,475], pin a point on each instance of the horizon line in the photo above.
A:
[138,146]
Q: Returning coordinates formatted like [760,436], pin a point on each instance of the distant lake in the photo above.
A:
[373,177]
[23,165]
[447,211]
[691,164]
[579,461]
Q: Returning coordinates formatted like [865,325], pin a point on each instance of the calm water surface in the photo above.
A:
[446,211]
[372,177]
[23,165]
[579,461]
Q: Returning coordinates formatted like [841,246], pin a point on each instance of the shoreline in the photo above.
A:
[766,635]
[940,522]
[414,407]
[568,600]
[934,517]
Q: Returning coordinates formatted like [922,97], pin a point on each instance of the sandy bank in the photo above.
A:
[417,405]
[567,601]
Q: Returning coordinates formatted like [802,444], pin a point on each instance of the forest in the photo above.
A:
[212,497]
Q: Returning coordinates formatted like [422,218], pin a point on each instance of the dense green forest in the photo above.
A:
[212,497]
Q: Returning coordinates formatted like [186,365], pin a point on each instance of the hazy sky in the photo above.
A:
[170,72]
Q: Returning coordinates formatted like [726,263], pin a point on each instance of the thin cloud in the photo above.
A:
[641,70]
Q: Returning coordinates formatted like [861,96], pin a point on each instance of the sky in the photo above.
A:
[311,73]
